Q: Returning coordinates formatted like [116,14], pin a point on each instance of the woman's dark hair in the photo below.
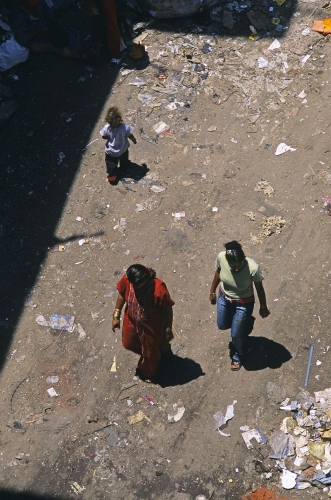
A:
[234,253]
[138,273]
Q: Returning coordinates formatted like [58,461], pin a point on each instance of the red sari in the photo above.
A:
[144,322]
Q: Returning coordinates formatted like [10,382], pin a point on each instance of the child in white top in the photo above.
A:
[116,134]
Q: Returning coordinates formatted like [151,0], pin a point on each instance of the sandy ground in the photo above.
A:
[221,144]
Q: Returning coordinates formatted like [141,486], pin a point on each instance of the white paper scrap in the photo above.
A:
[282,148]
[249,435]
[52,392]
[275,45]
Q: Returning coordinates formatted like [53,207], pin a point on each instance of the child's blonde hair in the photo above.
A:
[114,117]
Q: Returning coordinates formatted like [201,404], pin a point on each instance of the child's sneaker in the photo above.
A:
[112,179]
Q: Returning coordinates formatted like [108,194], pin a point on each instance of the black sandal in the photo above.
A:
[235,366]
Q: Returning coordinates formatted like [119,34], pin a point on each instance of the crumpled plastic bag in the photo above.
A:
[176,411]
[11,52]
[221,420]
[282,445]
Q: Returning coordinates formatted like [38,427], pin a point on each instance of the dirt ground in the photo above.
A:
[223,134]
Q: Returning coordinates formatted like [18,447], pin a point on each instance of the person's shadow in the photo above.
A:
[132,171]
[265,353]
[175,370]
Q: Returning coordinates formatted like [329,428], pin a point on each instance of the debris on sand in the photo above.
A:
[250,215]
[265,186]
[270,225]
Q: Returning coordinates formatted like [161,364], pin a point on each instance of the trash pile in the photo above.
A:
[302,445]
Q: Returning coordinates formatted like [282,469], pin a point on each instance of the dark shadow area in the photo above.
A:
[175,370]
[8,495]
[132,171]
[265,353]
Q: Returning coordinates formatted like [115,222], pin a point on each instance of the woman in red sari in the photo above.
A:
[147,322]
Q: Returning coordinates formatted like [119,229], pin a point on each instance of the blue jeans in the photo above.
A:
[237,317]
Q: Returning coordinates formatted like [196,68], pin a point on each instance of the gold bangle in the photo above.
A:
[117,314]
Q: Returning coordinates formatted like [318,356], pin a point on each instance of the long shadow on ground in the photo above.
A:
[175,370]
[265,353]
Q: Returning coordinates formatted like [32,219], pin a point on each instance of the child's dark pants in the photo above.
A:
[112,162]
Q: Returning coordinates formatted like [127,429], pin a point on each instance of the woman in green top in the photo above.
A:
[235,302]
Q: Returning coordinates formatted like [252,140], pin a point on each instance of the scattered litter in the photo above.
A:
[275,45]
[302,95]
[160,127]
[40,320]
[157,189]
[121,226]
[62,322]
[149,399]
[262,63]
[92,419]
[176,411]
[52,392]
[215,209]
[270,225]
[288,479]
[125,72]
[250,215]
[172,106]
[212,129]
[178,215]
[87,145]
[282,445]
[52,379]
[221,420]
[306,32]
[265,186]
[305,58]
[282,148]
[82,334]
[61,157]
[83,241]
[326,206]
[249,435]
[138,82]
[138,417]
[323,26]
[112,437]
[113,367]
[76,488]
[57,248]
[311,352]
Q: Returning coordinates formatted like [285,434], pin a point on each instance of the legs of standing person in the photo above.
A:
[130,337]
[151,354]
[148,345]
[239,329]
[225,312]
[124,159]
[111,165]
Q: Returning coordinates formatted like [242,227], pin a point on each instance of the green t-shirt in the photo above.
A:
[238,284]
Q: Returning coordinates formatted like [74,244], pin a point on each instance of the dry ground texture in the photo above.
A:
[217,163]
